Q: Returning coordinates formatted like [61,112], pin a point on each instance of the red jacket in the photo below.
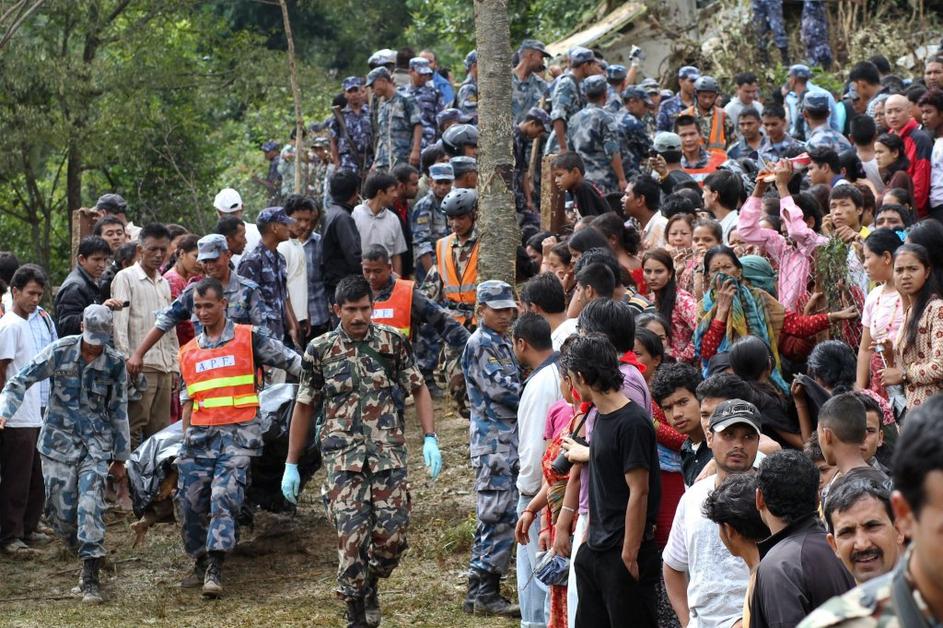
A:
[918,147]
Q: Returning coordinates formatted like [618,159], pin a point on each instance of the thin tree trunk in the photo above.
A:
[497,219]
[296,94]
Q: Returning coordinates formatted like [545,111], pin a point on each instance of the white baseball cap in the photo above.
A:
[228,201]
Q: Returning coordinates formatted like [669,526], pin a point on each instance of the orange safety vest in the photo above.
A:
[714,161]
[396,311]
[458,290]
[717,140]
[221,381]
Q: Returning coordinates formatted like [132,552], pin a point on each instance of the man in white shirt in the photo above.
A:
[376,223]
[21,482]
[228,202]
[931,110]
[541,389]
[722,195]
[300,208]
[544,295]
[706,584]
[746,96]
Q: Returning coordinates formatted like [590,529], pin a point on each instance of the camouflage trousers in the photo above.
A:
[768,16]
[210,492]
[370,511]
[814,33]
[427,346]
[496,511]
[75,503]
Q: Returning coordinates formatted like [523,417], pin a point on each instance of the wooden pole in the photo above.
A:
[296,94]
[552,215]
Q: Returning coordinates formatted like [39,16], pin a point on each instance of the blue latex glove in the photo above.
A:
[291,482]
[431,456]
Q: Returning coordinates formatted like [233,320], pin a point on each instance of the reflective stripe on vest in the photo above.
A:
[221,381]
[714,161]
[458,290]
[397,310]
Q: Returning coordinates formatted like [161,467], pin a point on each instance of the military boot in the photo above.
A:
[489,600]
[212,580]
[356,614]
[371,603]
[195,578]
[474,581]
[91,591]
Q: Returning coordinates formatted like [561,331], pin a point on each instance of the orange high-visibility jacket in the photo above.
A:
[221,381]
[397,310]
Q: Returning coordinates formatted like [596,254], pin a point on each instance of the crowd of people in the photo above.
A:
[709,401]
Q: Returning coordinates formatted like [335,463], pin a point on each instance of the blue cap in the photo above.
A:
[689,72]
[451,115]
[441,172]
[538,114]
[595,85]
[420,65]
[800,71]
[210,246]
[650,85]
[616,73]
[378,73]
[270,145]
[579,55]
[352,82]
[816,101]
[636,92]
[534,44]
[273,214]
[97,324]
[495,294]
[471,59]
[463,164]
[666,94]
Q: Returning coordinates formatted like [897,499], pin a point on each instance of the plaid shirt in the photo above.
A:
[44,334]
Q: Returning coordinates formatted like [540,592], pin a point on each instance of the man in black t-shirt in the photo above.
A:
[617,567]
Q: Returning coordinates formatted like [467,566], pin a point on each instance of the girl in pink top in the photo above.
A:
[883,312]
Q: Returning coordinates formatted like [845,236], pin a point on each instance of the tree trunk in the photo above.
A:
[497,220]
[296,94]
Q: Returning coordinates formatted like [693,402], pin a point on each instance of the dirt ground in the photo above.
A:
[283,571]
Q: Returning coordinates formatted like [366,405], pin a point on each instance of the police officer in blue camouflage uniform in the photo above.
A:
[768,17]
[671,108]
[448,118]
[615,75]
[429,223]
[84,437]
[635,142]
[467,99]
[567,97]
[352,147]
[399,123]
[798,84]
[815,33]
[221,429]
[651,88]
[815,109]
[427,97]
[593,133]
[493,379]
[527,136]
[527,87]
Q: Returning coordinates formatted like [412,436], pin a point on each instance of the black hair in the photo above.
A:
[724,386]
[27,273]
[728,187]
[850,489]
[881,241]
[774,110]
[933,98]
[851,165]
[125,253]
[906,216]
[568,161]
[377,253]
[845,415]
[403,172]
[666,297]
[378,183]
[352,288]
[919,302]
[811,208]
[863,130]
[153,230]
[403,55]
[849,192]
[915,93]
[176,230]
[919,452]
[749,112]
[835,364]
[207,284]
[599,278]
[720,249]
[693,194]
[789,482]
[865,71]
[825,156]
[612,225]
[869,403]
[595,359]
[744,78]
[868,201]
[188,242]
[228,226]
[8,265]
[534,330]
[107,219]
[588,238]
[686,120]
[671,377]
[430,155]
[713,225]
[894,143]
[646,187]
[881,63]
[93,244]
[611,318]
[904,196]
[300,202]
[651,342]
[812,449]
[643,319]
[599,255]
[344,185]
[750,357]
[677,203]
[536,240]
[546,292]
[734,502]
[562,250]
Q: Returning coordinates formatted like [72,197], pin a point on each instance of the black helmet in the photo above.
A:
[706,84]
[459,202]
[457,136]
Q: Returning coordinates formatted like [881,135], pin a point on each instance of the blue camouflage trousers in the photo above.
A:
[210,493]
[75,503]
[370,511]
[427,345]
[814,33]
[768,16]
[496,511]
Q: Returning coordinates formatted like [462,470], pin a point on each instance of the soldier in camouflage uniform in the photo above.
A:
[357,377]
[84,437]
[427,97]
[567,98]
[494,391]
[526,85]
[593,133]
[219,438]
[815,33]
[615,75]
[635,142]
[671,108]
[467,99]
[399,123]
[427,219]
[353,150]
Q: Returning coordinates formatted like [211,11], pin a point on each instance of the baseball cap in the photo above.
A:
[320,142]
[378,73]
[210,246]
[450,115]
[495,294]
[650,85]
[616,72]
[734,411]
[534,44]
[666,141]
[461,165]
[382,57]
[579,55]
[270,215]
[815,101]
[228,201]
[441,172]
[111,203]
[471,59]
[97,324]
[666,94]
[352,82]
[800,71]
[689,72]
[636,92]
[269,145]
[420,65]
[595,85]
[538,114]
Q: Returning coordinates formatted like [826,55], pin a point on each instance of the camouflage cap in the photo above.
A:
[495,294]
[269,146]
[534,44]
[461,165]
[688,72]
[471,59]
[352,82]
[420,65]
[650,85]
[271,215]
[210,246]
[636,92]
[320,142]
[800,70]
[616,72]
[450,115]
[816,102]
[541,116]
[595,85]
[382,57]
[97,324]
[441,172]
[378,73]
[579,55]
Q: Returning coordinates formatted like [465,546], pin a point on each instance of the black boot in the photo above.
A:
[474,581]
[356,614]
[489,600]
[371,603]
[195,578]
[212,580]
[784,54]
[91,591]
